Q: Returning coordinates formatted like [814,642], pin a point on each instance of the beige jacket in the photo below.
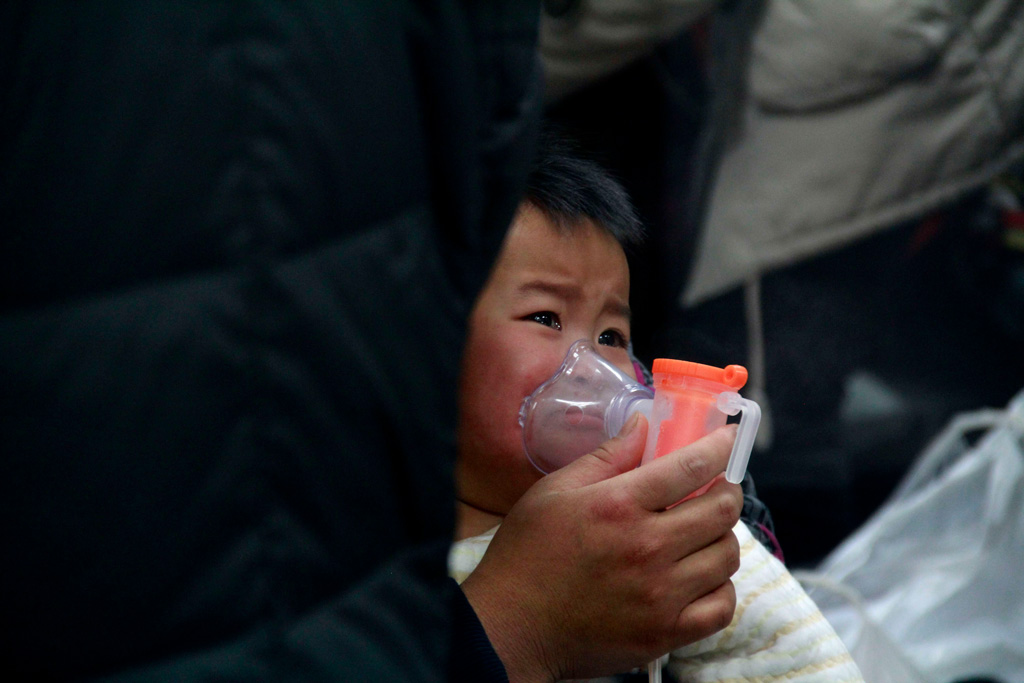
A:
[854,116]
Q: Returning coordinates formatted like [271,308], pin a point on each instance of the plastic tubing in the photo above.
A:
[730,403]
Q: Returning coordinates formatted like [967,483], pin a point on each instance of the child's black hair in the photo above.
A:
[569,188]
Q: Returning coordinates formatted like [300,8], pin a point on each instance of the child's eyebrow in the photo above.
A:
[621,309]
[562,291]
[570,292]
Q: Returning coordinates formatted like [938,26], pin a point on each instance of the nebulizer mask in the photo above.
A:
[588,400]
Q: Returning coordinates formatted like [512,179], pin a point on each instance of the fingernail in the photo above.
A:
[630,425]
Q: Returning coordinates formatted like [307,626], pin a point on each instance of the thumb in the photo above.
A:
[615,456]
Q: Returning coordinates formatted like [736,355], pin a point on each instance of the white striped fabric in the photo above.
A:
[776,634]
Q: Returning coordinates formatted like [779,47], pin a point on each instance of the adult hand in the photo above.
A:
[594,571]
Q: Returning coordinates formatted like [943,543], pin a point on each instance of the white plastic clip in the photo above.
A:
[730,403]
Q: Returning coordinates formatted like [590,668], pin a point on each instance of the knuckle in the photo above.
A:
[647,489]
[728,509]
[603,453]
[695,468]
[721,610]
[715,613]
[721,617]
[732,554]
[614,507]
[657,600]
[642,552]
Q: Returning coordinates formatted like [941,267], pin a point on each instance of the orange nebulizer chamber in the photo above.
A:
[692,400]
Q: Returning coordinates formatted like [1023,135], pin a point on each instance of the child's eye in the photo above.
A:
[612,338]
[546,318]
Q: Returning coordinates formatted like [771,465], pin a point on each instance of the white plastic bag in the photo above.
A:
[931,588]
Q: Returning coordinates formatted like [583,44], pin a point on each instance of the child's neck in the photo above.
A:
[472,521]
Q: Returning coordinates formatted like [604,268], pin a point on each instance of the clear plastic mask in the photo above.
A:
[588,400]
[584,404]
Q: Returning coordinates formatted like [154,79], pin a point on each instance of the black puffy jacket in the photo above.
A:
[237,245]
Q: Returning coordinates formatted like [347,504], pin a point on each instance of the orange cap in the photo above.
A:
[732,376]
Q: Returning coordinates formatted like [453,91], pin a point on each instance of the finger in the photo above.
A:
[707,615]
[700,521]
[672,477]
[616,456]
[702,572]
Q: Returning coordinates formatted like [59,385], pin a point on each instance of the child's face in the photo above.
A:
[547,289]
